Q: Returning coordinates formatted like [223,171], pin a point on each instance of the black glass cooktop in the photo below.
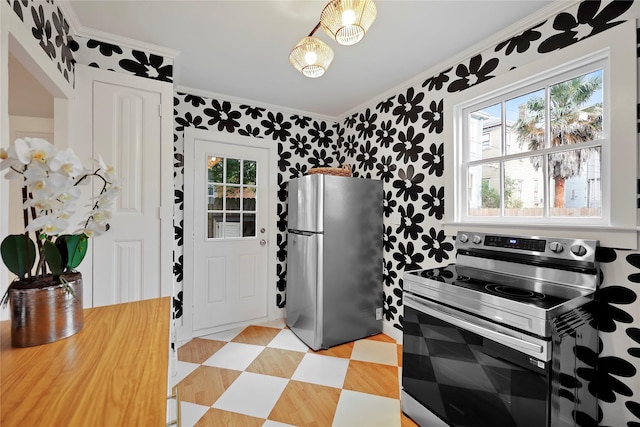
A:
[500,285]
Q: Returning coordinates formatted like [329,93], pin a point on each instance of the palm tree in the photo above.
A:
[571,122]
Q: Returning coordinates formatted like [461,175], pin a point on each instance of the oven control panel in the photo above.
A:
[553,247]
[522,243]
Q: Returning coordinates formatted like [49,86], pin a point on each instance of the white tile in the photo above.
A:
[357,409]
[179,344]
[183,369]
[227,335]
[190,413]
[252,394]
[287,340]
[323,370]
[270,423]
[234,355]
[375,352]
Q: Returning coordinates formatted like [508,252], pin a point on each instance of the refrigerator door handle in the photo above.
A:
[303,233]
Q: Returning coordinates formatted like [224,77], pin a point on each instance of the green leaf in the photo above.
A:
[61,244]
[75,248]
[53,257]
[18,254]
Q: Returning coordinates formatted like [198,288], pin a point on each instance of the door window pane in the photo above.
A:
[215,199]
[249,172]
[231,197]
[249,225]
[214,225]
[215,167]
[232,225]
[249,198]
[233,171]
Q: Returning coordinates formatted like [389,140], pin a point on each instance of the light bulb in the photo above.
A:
[348,17]
[310,58]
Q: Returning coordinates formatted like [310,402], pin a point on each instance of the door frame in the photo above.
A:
[16,39]
[82,114]
[185,329]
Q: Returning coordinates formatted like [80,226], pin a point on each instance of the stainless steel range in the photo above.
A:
[491,339]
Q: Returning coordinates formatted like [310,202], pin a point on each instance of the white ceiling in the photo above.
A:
[240,48]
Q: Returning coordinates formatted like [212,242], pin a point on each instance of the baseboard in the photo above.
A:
[389,330]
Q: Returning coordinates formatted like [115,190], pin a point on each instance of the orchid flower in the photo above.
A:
[94,229]
[34,150]
[48,224]
[50,181]
[107,170]
[68,162]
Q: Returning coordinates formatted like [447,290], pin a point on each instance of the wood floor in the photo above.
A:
[264,376]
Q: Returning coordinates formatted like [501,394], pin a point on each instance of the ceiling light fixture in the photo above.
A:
[311,56]
[347,21]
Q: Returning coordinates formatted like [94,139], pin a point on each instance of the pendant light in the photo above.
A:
[347,21]
[311,56]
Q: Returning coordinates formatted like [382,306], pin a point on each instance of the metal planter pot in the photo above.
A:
[45,310]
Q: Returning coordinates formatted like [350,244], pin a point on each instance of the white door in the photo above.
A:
[126,133]
[230,250]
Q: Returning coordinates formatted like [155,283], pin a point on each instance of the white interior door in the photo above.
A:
[128,121]
[126,134]
[230,243]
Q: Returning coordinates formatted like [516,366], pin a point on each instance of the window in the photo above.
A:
[557,158]
[557,136]
[231,204]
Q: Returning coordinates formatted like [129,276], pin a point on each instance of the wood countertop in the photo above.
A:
[113,372]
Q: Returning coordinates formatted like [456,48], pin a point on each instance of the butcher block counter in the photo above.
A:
[113,372]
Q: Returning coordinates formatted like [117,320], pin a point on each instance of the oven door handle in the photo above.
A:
[529,348]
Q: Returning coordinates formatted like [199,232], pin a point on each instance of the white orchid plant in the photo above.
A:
[50,196]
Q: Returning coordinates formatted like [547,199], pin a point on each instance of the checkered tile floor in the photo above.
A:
[265,376]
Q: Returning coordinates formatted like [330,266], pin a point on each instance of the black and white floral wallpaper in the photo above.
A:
[399,141]
[50,28]
[109,56]
[302,143]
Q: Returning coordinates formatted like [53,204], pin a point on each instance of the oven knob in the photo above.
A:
[477,239]
[463,238]
[578,250]
[555,247]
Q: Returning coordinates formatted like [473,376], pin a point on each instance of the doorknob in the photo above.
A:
[263,242]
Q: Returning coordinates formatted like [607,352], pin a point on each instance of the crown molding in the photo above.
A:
[82,31]
[252,102]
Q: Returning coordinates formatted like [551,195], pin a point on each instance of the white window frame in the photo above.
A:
[618,225]
[584,66]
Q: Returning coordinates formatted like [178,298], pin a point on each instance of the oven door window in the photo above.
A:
[468,380]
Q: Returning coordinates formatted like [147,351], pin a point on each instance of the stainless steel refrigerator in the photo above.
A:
[334,259]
